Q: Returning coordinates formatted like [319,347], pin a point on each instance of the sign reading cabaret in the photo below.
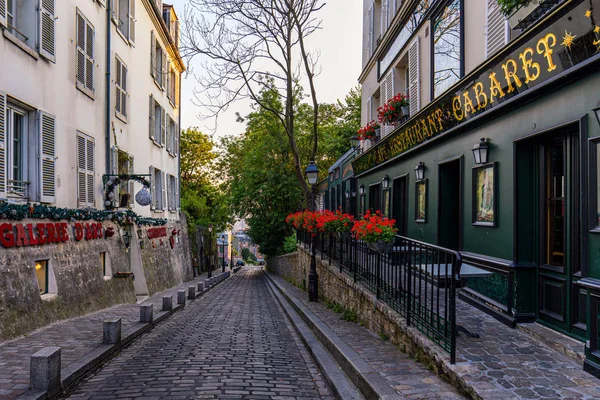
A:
[568,41]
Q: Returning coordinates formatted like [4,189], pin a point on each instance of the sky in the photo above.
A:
[339,42]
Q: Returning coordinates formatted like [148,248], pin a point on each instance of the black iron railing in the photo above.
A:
[416,279]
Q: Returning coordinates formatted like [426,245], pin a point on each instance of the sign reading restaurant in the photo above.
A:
[538,56]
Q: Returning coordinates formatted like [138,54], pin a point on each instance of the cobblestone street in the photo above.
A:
[232,343]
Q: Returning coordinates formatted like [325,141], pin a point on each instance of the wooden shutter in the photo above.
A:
[81,171]
[153,189]
[47,140]
[90,163]
[132,21]
[164,190]
[47,30]
[131,189]
[163,127]
[151,118]
[152,55]
[414,95]
[80,49]
[496,35]
[2,12]
[118,96]
[89,63]
[3,135]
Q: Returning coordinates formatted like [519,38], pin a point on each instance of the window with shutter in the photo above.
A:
[132,21]
[176,145]
[47,30]
[121,89]
[169,193]
[47,146]
[2,12]
[496,27]
[152,189]
[3,134]
[152,55]
[85,55]
[369,110]
[85,171]
[164,191]
[414,95]
[169,141]
[163,127]
[386,93]
[164,70]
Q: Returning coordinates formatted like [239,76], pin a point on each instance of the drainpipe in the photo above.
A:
[108,73]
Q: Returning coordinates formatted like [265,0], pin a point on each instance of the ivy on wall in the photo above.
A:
[18,212]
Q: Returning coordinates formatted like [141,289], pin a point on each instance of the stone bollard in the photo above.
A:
[181,297]
[111,331]
[147,313]
[167,303]
[191,292]
[200,287]
[44,371]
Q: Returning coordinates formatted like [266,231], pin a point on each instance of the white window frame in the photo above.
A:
[86,87]
[11,191]
[121,89]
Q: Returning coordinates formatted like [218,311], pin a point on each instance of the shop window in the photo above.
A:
[106,269]
[447,47]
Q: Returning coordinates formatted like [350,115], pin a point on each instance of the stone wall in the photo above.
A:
[335,286]
[76,280]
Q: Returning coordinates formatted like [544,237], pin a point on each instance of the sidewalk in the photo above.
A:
[80,340]
[409,378]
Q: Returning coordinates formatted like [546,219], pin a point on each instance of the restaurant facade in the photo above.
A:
[498,159]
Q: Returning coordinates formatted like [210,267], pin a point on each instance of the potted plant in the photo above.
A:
[369,131]
[338,223]
[377,231]
[393,110]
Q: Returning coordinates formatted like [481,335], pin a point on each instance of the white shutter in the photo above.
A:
[176,140]
[382,22]
[169,142]
[414,95]
[177,200]
[164,190]
[123,93]
[153,189]
[132,21]
[81,171]
[80,49]
[169,193]
[90,166]
[47,30]
[3,124]
[89,63]
[370,27]
[151,118]
[152,55]
[131,190]
[2,12]
[118,80]
[47,140]
[496,31]
[369,109]
[163,70]
[163,128]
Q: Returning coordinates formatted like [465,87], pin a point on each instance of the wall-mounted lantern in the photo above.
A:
[361,190]
[597,112]
[385,182]
[420,171]
[481,152]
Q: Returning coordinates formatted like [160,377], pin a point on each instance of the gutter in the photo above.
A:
[107,94]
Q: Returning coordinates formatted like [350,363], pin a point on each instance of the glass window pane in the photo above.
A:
[446,48]
[598,184]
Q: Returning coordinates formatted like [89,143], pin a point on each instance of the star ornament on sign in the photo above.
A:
[597,29]
[568,39]
[588,13]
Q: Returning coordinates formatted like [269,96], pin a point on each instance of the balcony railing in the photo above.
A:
[18,189]
[417,279]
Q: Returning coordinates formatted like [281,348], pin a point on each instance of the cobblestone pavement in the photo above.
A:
[410,378]
[233,343]
[76,337]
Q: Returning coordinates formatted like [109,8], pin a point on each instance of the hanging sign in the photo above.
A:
[573,37]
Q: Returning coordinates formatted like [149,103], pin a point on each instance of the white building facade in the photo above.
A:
[89,88]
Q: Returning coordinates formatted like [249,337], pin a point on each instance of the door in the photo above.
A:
[375,198]
[449,205]
[400,204]
[559,299]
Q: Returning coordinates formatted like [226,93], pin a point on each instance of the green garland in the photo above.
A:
[18,212]
[116,180]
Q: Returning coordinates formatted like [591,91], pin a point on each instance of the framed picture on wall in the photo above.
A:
[386,203]
[421,201]
[594,207]
[485,195]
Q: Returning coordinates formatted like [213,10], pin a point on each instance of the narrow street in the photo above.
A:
[232,343]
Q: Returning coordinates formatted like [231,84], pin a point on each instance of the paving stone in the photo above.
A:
[232,343]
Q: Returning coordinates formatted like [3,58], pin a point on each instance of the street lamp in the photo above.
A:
[354,142]
[312,173]
[209,265]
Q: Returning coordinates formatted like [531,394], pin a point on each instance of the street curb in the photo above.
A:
[81,367]
[371,384]
[340,384]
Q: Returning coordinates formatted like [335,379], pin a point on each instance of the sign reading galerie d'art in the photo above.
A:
[572,38]
[22,235]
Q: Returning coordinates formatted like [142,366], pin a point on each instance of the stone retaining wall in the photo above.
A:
[78,285]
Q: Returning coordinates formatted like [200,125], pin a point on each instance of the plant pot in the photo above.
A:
[343,235]
[521,13]
[381,247]
[405,111]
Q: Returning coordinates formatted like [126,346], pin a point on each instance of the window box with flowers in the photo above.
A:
[394,110]
[370,131]
[376,231]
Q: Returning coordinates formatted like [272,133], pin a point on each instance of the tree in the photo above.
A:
[251,46]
